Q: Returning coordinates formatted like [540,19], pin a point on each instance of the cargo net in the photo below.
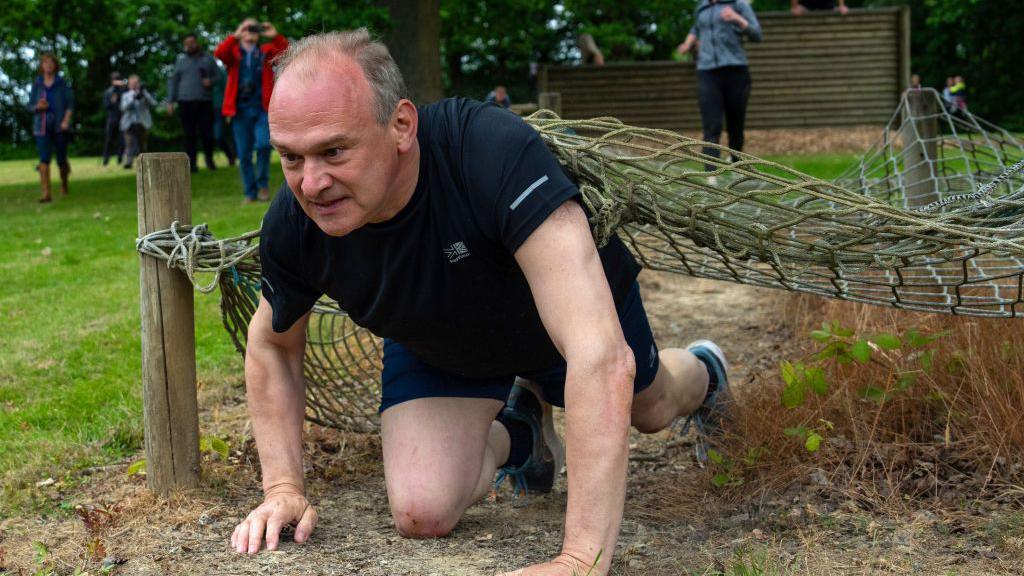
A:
[932,219]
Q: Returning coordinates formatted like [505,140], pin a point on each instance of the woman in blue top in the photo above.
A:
[723,80]
[51,103]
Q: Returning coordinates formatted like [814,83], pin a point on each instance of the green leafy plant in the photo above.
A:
[903,357]
[211,445]
[726,474]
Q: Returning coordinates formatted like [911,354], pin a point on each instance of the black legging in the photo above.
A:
[723,90]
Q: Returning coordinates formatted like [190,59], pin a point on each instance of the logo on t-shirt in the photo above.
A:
[457,251]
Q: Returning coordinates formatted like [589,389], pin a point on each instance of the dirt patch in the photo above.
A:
[800,531]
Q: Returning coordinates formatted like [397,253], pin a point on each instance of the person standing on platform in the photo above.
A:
[723,78]
[247,96]
[190,90]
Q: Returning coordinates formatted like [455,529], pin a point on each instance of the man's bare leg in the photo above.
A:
[440,455]
[678,389]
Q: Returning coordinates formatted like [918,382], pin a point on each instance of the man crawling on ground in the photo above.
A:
[453,233]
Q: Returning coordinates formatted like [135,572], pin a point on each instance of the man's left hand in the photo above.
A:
[269,31]
[65,125]
[562,565]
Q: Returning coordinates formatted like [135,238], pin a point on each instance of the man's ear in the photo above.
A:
[404,123]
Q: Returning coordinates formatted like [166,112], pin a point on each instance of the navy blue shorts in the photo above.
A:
[406,377]
[47,144]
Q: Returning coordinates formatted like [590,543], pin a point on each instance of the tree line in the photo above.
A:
[482,43]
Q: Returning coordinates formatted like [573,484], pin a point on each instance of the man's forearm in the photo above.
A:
[597,430]
[276,395]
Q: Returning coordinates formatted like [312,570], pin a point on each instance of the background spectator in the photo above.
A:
[191,88]
[136,119]
[113,140]
[221,129]
[959,92]
[723,79]
[246,97]
[499,96]
[947,94]
[51,103]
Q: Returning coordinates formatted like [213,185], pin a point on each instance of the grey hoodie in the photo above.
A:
[186,81]
[721,43]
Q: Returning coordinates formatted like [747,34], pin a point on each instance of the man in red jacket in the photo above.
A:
[246,97]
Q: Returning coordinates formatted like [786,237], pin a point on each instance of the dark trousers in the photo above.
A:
[135,139]
[723,91]
[113,140]
[197,116]
[222,135]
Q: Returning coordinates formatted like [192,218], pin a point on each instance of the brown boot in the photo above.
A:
[263,195]
[65,170]
[44,183]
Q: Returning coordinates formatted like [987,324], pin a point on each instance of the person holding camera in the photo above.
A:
[136,119]
[113,140]
[51,103]
[247,96]
[190,90]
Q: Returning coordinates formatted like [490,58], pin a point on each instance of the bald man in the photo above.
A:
[452,232]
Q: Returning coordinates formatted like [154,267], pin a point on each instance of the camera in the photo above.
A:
[255,28]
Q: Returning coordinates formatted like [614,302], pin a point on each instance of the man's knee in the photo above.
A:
[419,519]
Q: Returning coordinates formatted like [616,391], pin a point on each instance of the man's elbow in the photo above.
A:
[615,365]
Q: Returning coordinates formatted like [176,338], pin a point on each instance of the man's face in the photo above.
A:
[191,45]
[500,94]
[339,162]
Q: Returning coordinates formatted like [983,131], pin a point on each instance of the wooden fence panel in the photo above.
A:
[810,71]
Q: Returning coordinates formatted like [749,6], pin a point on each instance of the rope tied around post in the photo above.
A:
[194,251]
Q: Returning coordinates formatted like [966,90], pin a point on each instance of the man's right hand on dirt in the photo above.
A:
[280,508]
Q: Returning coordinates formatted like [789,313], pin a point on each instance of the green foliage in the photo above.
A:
[137,467]
[92,38]
[904,356]
[724,466]
[213,446]
[69,393]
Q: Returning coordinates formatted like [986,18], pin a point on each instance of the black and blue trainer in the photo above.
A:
[707,419]
[528,417]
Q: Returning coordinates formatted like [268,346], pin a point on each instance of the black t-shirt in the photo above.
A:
[440,277]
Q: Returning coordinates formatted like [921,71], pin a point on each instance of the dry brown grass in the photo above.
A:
[953,440]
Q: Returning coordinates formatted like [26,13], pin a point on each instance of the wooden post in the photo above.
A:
[550,101]
[168,332]
[904,48]
[920,148]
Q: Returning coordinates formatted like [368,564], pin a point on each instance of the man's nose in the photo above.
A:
[314,179]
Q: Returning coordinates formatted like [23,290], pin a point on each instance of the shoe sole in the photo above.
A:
[714,350]
[551,438]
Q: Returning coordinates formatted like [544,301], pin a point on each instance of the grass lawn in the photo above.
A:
[70,394]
